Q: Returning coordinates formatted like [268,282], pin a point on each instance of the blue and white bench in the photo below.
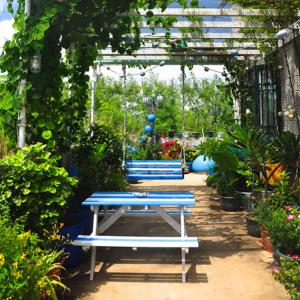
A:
[157,201]
[143,212]
[137,242]
[154,170]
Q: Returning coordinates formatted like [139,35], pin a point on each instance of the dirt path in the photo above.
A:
[228,265]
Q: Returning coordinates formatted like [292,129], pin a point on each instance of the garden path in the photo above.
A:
[228,265]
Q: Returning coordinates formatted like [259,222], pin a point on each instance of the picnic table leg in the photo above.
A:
[183,250]
[93,262]
[183,264]
[94,233]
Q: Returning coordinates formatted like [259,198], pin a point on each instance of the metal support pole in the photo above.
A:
[124,116]
[153,111]
[183,115]
[22,115]
[94,78]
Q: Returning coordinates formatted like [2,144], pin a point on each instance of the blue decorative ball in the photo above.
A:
[148,129]
[133,150]
[151,118]
[202,164]
[143,138]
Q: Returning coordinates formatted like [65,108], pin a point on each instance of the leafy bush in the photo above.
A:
[284,230]
[25,269]
[289,276]
[226,178]
[33,189]
[279,214]
[190,154]
[147,151]
[99,158]
[171,150]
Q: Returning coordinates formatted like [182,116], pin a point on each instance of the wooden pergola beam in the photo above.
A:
[190,36]
[216,24]
[214,12]
[204,45]
[189,52]
[121,60]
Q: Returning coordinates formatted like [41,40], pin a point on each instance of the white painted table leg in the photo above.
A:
[183,265]
[94,232]
[183,250]
[93,262]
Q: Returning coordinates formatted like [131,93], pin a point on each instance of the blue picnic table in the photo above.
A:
[152,203]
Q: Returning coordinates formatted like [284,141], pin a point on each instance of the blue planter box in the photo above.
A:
[73,253]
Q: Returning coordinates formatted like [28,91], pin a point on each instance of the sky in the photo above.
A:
[166,73]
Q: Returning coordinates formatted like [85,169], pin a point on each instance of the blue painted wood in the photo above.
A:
[154,161]
[144,212]
[146,194]
[151,198]
[133,241]
[154,170]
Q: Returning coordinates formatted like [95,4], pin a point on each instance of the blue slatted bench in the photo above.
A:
[122,203]
[144,212]
[139,242]
[154,170]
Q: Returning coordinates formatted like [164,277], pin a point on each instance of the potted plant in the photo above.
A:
[226,178]
[278,215]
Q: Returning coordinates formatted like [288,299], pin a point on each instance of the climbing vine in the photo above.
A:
[81,28]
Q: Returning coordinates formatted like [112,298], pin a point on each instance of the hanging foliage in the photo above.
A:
[81,28]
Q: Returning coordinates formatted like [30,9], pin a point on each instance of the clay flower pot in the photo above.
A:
[265,239]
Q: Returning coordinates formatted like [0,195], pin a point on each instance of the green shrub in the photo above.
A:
[147,151]
[289,276]
[33,189]
[99,158]
[25,269]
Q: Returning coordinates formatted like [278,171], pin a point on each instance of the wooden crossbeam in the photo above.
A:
[204,45]
[228,35]
[162,52]
[156,60]
[216,24]
[215,12]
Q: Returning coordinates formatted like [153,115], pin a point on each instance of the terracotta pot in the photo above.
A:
[265,239]
[57,271]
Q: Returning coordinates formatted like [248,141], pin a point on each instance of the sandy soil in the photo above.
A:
[228,265]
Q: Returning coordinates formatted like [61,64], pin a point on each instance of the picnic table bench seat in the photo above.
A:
[136,241]
[144,212]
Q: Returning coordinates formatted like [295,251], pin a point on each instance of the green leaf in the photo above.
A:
[47,135]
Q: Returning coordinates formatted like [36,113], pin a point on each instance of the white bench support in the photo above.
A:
[136,242]
[106,223]
[172,222]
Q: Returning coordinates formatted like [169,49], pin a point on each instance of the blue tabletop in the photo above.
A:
[140,198]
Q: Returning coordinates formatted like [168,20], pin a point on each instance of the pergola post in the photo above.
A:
[22,115]
[93,81]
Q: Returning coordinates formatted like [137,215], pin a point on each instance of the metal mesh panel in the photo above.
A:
[290,80]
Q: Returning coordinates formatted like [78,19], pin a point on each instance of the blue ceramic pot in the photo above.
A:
[74,253]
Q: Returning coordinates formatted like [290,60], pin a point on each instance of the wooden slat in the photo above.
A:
[215,12]
[216,24]
[136,242]
[162,52]
[195,36]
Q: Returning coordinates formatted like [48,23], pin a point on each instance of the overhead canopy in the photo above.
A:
[208,41]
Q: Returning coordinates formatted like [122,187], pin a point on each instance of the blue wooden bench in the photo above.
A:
[144,212]
[154,170]
[138,242]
